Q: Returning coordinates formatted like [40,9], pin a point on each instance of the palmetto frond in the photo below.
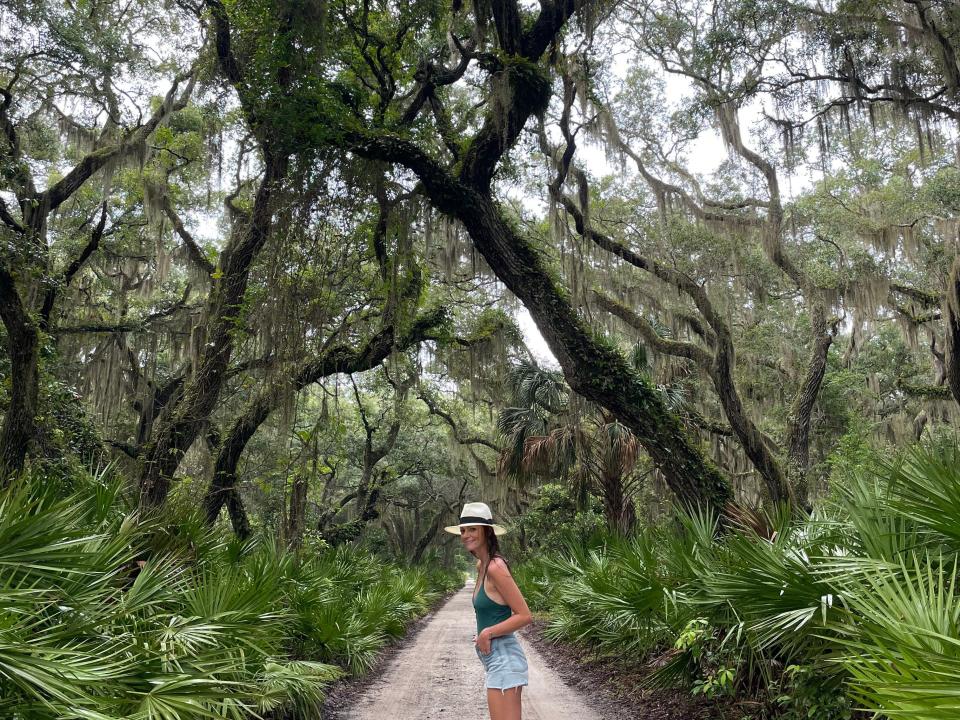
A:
[572,448]
[88,629]
[863,591]
[925,488]
[521,422]
[903,638]
[533,386]
[515,425]
[612,598]
[540,454]
[674,396]
[298,683]
[639,359]
[616,448]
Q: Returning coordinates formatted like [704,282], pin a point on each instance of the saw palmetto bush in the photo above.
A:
[98,624]
[612,597]
[347,604]
[855,606]
[902,634]
[104,615]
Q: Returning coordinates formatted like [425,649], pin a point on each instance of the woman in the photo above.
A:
[500,609]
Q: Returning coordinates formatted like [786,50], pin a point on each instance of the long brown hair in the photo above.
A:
[493,548]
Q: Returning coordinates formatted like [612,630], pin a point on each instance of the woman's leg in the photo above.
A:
[504,704]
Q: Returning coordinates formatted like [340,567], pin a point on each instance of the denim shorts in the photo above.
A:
[506,665]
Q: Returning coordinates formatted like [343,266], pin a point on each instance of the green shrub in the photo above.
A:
[806,692]
[104,615]
[855,606]
[555,520]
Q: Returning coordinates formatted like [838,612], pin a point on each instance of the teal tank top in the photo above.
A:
[488,612]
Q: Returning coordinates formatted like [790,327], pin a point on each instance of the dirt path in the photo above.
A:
[439,677]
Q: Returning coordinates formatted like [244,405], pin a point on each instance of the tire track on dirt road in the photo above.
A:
[439,677]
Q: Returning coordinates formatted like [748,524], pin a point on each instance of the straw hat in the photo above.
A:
[475,513]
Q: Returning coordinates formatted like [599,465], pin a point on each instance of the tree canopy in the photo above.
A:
[269,255]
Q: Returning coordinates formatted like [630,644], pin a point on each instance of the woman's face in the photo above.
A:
[472,538]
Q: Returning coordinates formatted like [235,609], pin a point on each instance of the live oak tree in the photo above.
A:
[327,185]
[743,219]
[53,58]
[172,362]
[389,101]
[732,57]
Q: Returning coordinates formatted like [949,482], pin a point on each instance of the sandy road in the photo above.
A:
[439,677]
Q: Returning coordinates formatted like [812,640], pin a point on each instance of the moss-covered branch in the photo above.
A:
[333,360]
[665,346]
[926,392]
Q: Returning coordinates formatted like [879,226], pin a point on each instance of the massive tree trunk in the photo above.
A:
[951,322]
[23,331]
[179,429]
[801,410]
[23,347]
[594,370]
[783,487]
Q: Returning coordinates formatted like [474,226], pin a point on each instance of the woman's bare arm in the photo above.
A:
[507,588]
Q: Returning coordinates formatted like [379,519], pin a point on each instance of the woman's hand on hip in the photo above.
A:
[483,641]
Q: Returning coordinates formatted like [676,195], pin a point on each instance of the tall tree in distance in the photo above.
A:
[38,65]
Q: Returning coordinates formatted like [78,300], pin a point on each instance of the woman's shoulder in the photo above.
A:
[498,567]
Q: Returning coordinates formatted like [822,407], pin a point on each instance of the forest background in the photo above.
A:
[268,256]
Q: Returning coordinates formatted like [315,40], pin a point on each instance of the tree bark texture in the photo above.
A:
[429,534]
[298,510]
[951,322]
[23,348]
[801,410]
[617,506]
[745,429]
